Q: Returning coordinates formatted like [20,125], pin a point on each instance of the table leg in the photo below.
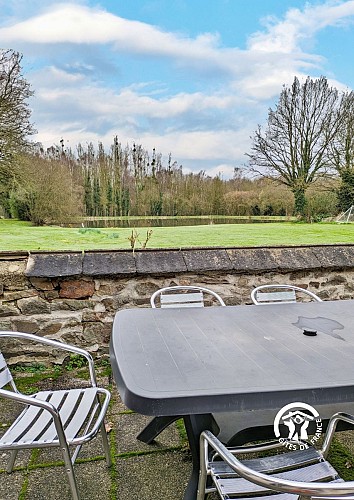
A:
[194,425]
[155,427]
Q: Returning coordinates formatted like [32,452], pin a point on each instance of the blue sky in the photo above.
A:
[190,78]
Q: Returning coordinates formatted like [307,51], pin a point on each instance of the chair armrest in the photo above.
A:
[58,345]
[99,419]
[254,448]
[332,425]
[272,482]
[28,400]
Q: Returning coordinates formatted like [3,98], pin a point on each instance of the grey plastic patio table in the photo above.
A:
[197,361]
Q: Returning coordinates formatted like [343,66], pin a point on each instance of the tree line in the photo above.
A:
[303,161]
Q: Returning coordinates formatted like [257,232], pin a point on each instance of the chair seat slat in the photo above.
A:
[182,299]
[285,461]
[70,401]
[321,471]
[284,296]
[83,408]
[273,496]
[5,374]
[66,411]
[184,304]
[33,420]
[5,377]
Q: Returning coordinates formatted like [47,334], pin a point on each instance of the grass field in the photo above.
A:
[19,236]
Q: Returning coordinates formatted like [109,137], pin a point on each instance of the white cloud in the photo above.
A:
[207,145]
[298,26]
[280,50]
[211,125]
[269,50]
[73,93]
[82,25]
[224,170]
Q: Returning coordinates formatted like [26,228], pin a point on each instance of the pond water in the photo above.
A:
[99,222]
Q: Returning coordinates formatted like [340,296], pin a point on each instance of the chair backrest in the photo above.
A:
[283,294]
[183,296]
[5,374]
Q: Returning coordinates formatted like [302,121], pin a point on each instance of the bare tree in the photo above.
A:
[294,150]
[15,126]
[342,154]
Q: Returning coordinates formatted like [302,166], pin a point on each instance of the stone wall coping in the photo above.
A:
[171,261]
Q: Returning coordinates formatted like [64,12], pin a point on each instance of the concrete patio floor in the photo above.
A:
[139,471]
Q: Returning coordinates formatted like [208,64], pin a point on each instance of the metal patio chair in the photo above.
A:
[58,418]
[175,296]
[280,294]
[302,473]
[184,296]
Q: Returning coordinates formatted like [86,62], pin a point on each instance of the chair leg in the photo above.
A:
[155,427]
[106,445]
[76,453]
[202,481]
[11,462]
[69,469]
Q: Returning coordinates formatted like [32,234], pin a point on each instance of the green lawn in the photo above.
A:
[17,236]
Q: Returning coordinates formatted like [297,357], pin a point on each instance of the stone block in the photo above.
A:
[71,304]
[33,305]
[8,310]
[76,289]
[92,315]
[9,268]
[54,265]
[335,257]
[51,295]
[337,280]
[295,258]
[109,264]
[251,260]
[160,262]
[207,260]
[22,294]
[98,333]
[42,284]
[12,276]
[6,324]
[110,286]
[25,325]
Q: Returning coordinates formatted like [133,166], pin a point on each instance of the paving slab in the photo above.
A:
[129,426]
[93,479]
[153,476]
[10,485]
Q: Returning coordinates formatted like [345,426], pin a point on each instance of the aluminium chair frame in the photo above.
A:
[281,300]
[209,444]
[98,407]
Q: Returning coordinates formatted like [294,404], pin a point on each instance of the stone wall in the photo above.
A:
[74,296]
